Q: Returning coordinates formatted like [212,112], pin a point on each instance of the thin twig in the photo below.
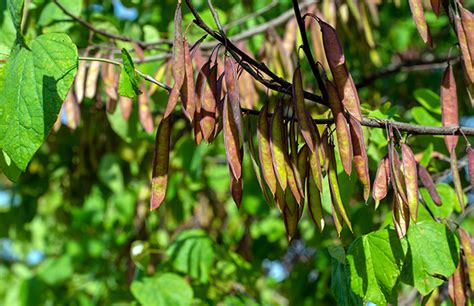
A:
[250,16]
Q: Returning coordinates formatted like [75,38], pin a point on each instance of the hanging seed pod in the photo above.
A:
[231,140]
[278,148]
[110,79]
[209,103]
[334,187]
[177,64]
[457,285]
[449,106]
[291,215]
[80,80]
[457,179]
[305,124]
[188,90]
[466,53]
[416,7]
[72,111]
[324,146]
[159,180]
[342,130]
[92,78]
[294,160]
[236,189]
[436,6]
[411,180]
[233,93]
[126,107]
[470,163]
[264,150]
[280,199]
[381,182]
[361,162]
[401,216]
[344,82]
[144,112]
[314,203]
[468,250]
[428,183]
[302,164]
[467,21]
[398,183]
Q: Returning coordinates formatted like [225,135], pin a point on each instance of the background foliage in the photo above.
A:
[75,227]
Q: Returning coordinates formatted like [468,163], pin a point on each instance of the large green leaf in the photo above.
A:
[341,285]
[128,83]
[36,83]
[429,99]
[433,255]
[166,289]
[191,252]
[8,167]
[375,263]
[53,19]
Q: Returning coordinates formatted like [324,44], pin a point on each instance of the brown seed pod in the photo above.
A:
[344,82]
[411,180]
[144,112]
[342,130]
[467,21]
[401,216]
[361,162]
[436,6]
[188,90]
[232,141]
[466,53]
[314,203]
[159,180]
[468,250]
[457,179]
[449,106]
[427,181]
[80,80]
[92,78]
[291,215]
[417,11]
[280,198]
[233,93]
[110,79]
[208,103]
[278,147]
[470,164]
[381,182]
[264,150]
[236,189]
[457,285]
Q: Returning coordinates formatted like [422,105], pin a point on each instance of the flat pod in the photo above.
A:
[291,215]
[342,130]
[80,80]
[457,285]
[306,126]
[398,183]
[467,21]
[411,180]
[187,90]
[381,181]
[231,141]
[92,78]
[126,107]
[457,179]
[144,111]
[418,13]
[314,203]
[264,150]
[159,180]
[233,92]
[428,183]
[468,248]
[401,216]
[449,106]
[470,164]
[361,162]
[236,189]
[466,53]
[208,103]
[436,6]
[344,82]
[278,147]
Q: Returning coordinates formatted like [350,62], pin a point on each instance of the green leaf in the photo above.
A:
[166,289]
[56,270]
[110,173]
[191,252]
[54,19]
[8,167]
[128,84]
[341,286]
[428,99]
[375,263]
[423,117]
[448,198]
[432,257]
[36,84]
[16,12]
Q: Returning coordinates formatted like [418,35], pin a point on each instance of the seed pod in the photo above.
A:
[411,180]
[344,82]
[342,131]
[334,187]
[416,7]
[278,148]
[380,186]
[467,21]
[361,162]
[466,53]
[71,110]
[302,164]
[291,215]
[209,103]
[306,126]
[255,164]
[110,79]
[468,248]
[91,80]
[293,161]
[126,107]
[401,216]
[449,106]
[436,6]
[188,90]
[427,181]
[233,93]
[324,147]
[470,164]
[314,203]
[264,150]
[398,183]
[80,80]
[159,180]
[231,140]
[457,179]
[280,199]
[146,119]
[457,285]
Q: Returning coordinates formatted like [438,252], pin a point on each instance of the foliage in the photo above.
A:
[83,91]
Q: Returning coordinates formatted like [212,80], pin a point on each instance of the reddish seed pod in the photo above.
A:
[291,215]
[278,147]
[468,248]
[436,6]
[159,180]
[380,186]
[188,90]
[467,21]
[411,180]
[361,162]
[417,11]
[428,183]
[449,106]
[264,150]
[470,164]
[231,141]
